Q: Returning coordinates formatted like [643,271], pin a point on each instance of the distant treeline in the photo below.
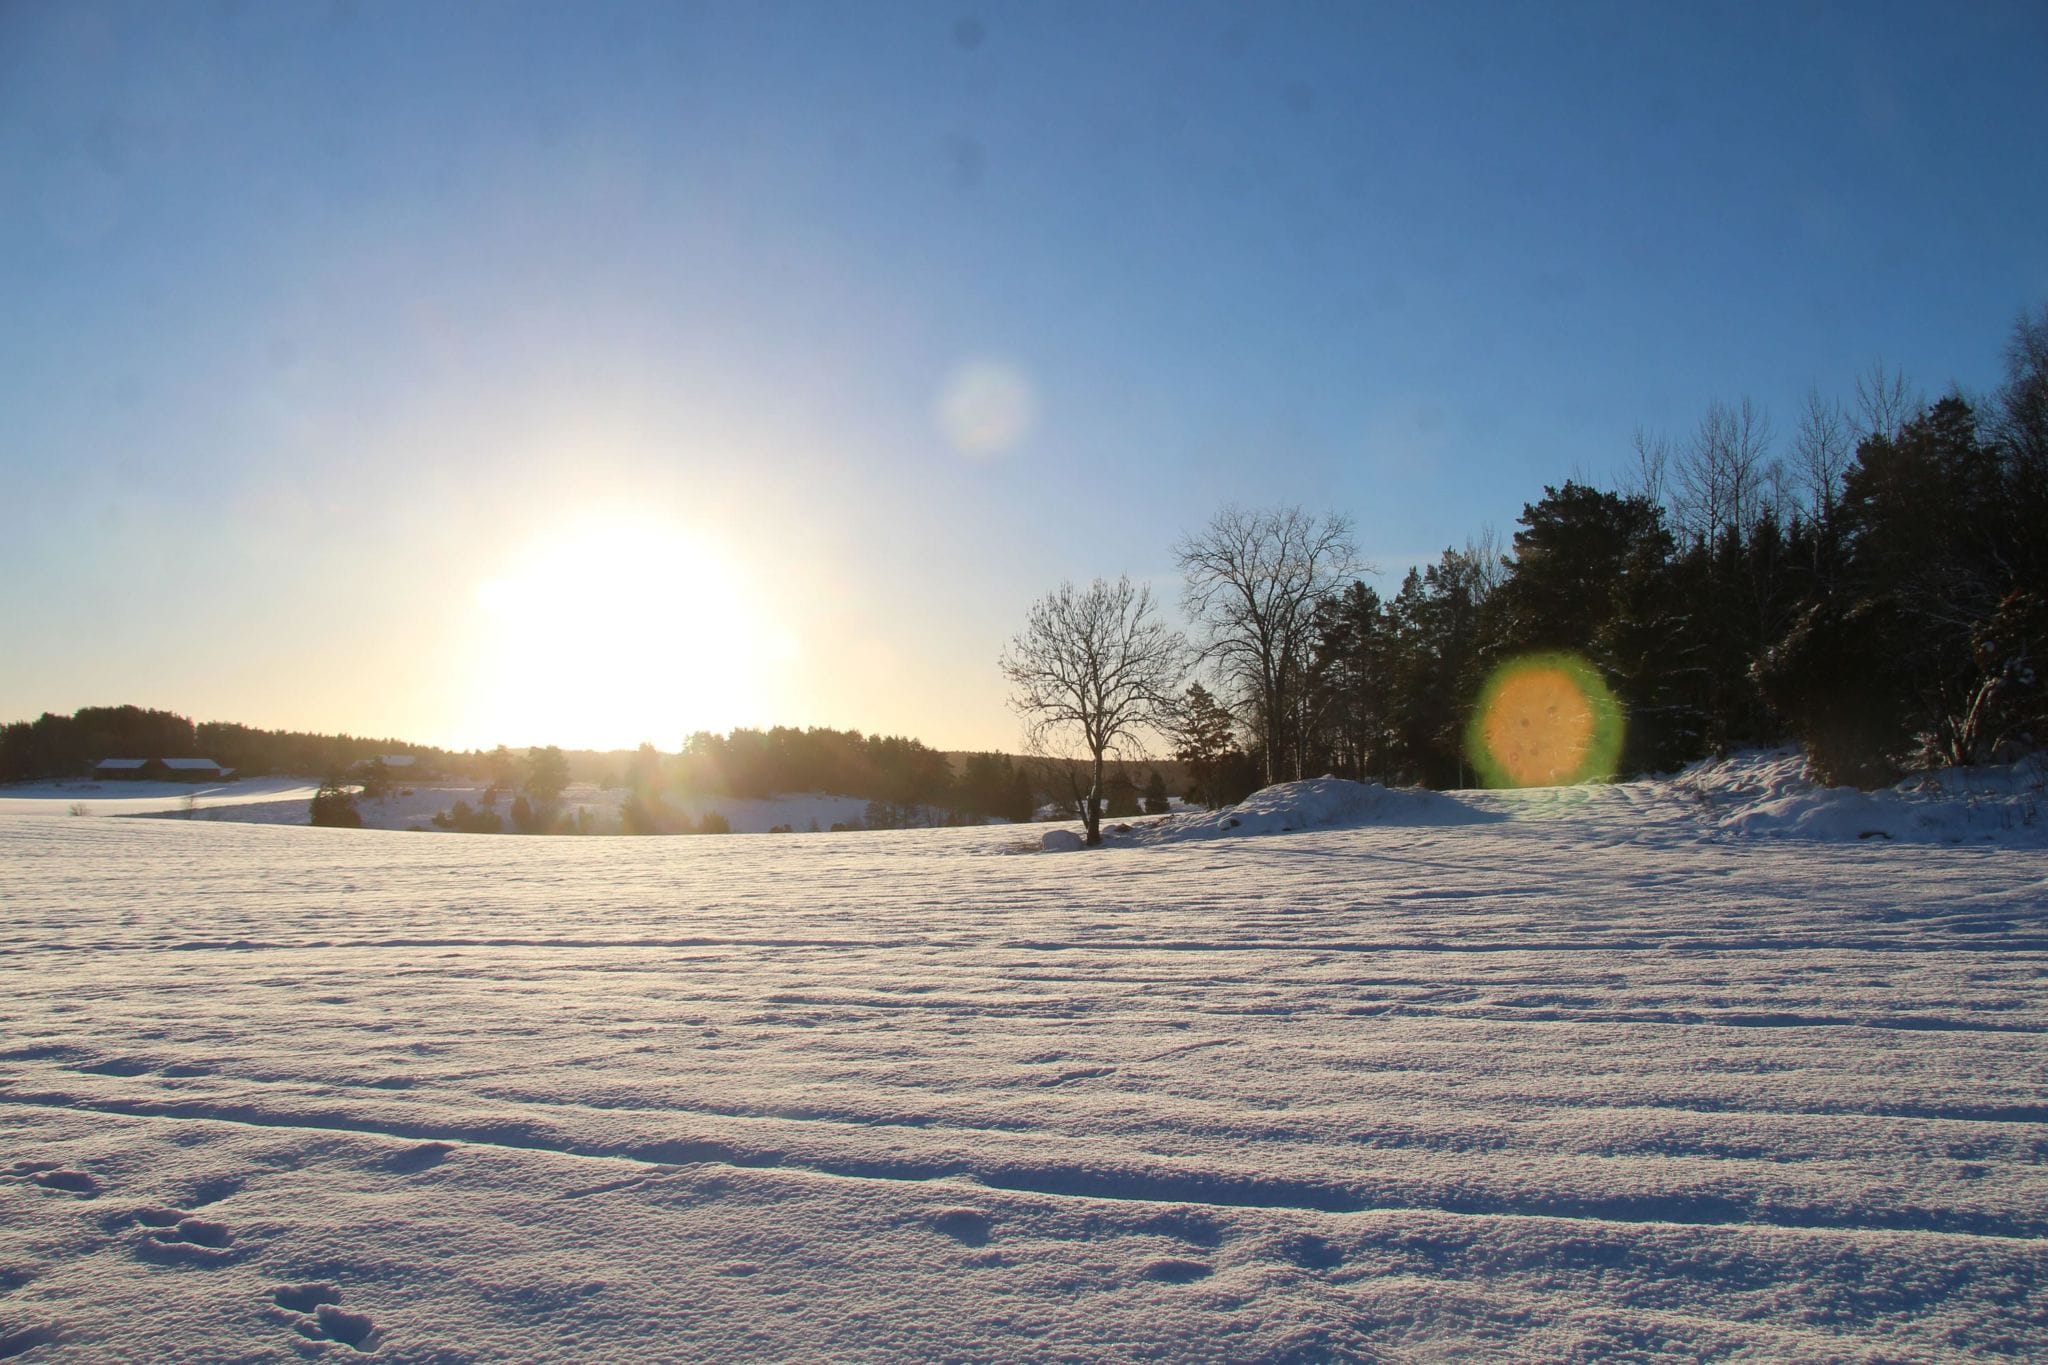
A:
[68,746]
[905,783]
[901,775]
[1875,589]
[889,769]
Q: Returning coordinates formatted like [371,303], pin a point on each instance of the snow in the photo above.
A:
[1326,802]
[139,797]
[1750,795]
[288,801]
[1771,795]
[1568,1073]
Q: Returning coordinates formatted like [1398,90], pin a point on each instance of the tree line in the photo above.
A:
[905,780]
[1875,588]
[56,745]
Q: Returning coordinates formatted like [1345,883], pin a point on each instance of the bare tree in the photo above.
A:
[1489,564]
[2019,419]
[1882,402]
[1096,668]
[1822,448]
[1723,472]
[1649,471]
[1254,579]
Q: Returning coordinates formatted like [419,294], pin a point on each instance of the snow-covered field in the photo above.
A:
[288,801]
[1613,1072]
[247,798]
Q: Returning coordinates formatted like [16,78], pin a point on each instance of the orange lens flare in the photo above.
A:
[1544,721]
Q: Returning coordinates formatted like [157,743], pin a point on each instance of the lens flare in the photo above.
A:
[986,408]
[1544,720]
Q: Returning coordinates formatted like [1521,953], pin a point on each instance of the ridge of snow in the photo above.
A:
[1317,803]
[1772,794]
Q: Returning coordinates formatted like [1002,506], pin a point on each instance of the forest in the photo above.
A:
[1874,589]
[55,745]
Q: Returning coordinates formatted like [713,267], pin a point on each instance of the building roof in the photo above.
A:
[192,764]
[122,764]
[399,760]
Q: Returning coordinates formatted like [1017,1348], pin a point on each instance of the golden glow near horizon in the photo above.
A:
[1544,720]
[622,629]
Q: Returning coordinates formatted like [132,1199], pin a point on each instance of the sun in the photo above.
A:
[619,629]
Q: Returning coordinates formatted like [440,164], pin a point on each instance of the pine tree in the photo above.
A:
[1205,738]
[547,775]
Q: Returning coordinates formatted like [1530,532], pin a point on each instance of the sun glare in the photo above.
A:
[622,630]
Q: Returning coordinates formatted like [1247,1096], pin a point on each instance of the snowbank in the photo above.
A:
[1324,803]
[1773,795]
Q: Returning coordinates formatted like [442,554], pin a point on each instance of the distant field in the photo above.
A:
[82,796]
[1558,1074]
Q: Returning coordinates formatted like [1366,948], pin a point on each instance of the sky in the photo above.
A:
[593,373]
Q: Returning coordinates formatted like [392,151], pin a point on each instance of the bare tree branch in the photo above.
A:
[1254,579]
[1094,666]
[1822,449]
[1882,403]
[1723,473]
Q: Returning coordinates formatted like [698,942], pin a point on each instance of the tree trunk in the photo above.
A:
[1091,814]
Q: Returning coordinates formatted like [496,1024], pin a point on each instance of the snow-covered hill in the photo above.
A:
[1543,1075]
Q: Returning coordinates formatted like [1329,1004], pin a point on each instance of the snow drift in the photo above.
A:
[1773,795]
[1323,803]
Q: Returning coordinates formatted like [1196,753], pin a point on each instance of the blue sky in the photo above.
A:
[324,323]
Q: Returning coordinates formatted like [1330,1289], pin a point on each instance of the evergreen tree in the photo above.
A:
[547,775]
[1205,737]
[1019,802]
[1592,574]
[1439,652]
[1120,796]
[503,766]
[1350,685]
[1921,648]
[335,805]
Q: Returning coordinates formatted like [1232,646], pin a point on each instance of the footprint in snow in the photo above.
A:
[314,1311]
[118,1066]
[1173,1270]
[1186,1224]
[1311,1252]
[968,1226]
[52,1175]
[413,1160]
[175,1237]
[1085,1073]
[26,1339]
